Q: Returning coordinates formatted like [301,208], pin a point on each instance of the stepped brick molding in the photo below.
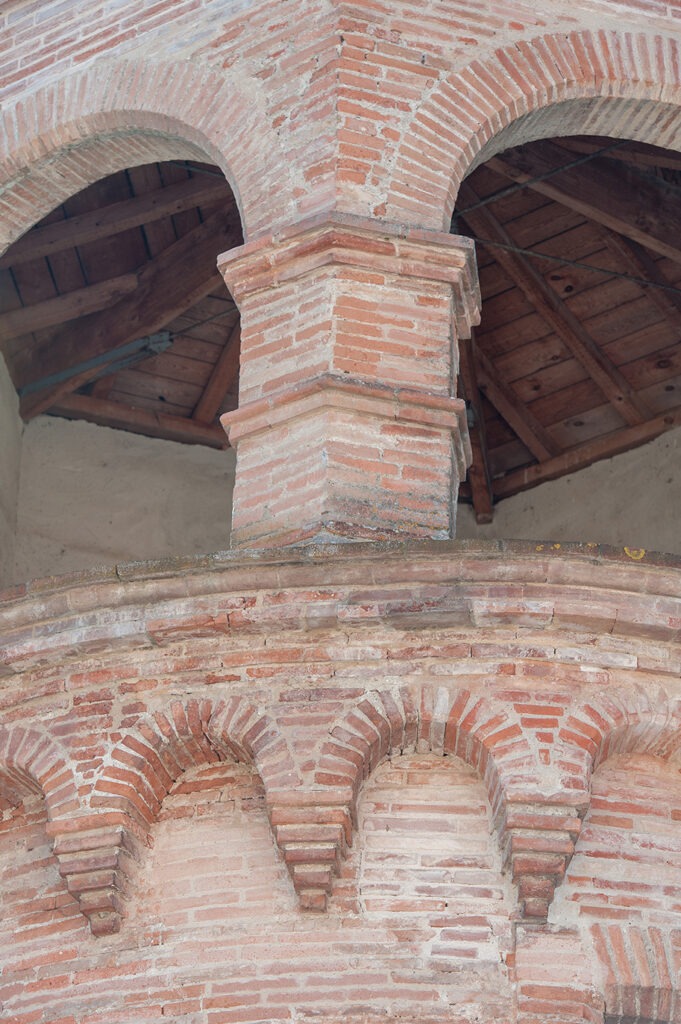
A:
[350,427]
[312,675]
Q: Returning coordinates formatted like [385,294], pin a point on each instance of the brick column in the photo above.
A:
[348,426]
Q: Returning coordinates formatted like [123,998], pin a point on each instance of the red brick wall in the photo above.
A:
[340,786]
[351,786]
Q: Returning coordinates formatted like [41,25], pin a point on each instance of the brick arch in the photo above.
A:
[635,720]
[536,828]
[638,972]
[31,762]
[58,140]
[620,84]
[99,853]
[144,766]
[634,964]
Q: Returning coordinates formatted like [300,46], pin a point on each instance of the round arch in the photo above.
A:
[623,85]
[86,125]
[32,762]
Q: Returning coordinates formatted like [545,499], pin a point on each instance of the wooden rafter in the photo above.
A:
[168,285]
[584,455]
[141,421]
[555,312]
[637,153]
[636,205]
[519,418]
[478,473]
[69,306]
[222,378]
[115,218]
[634,258]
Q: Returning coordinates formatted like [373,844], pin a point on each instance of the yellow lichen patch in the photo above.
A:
[635,553]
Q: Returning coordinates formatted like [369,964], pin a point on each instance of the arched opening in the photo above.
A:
[121,344]
[572,377]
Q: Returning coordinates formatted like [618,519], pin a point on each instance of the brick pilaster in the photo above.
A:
[348,424]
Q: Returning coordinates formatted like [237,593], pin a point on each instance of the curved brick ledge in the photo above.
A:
[622,598]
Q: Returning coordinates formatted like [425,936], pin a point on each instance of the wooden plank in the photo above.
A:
[478,472]
[519,418]
[576,399]
[558,316]
[169,366]
[639,154]
[586,454]
[158,233]
[224,375]
[140,421]
[153,405]
[66,307]
[636,205]
[115,218]
[175,280]
[203,351]
[637,260]
[185,220]
[161,390]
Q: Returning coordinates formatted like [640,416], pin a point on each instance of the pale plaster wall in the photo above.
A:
[91,496]
[633,500]
[10,453]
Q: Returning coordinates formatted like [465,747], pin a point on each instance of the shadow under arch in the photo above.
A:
[485,735]
[619,84]
[635,720]
[88,124]
[32,763]
[140,771]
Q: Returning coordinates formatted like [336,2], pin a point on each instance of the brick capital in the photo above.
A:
[345,240]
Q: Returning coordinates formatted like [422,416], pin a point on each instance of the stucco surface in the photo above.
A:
[92,496]
[630,500]
[10,446]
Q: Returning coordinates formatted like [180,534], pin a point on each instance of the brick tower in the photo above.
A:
[350,769]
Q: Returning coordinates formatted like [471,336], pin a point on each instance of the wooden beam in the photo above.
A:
[518,416]
[623,199]
[479,475]
[225,372]
[65,307]
[117,217]
[140,421]
[180,276]
[635,257]
[557,315]
[584,455]
[637,153]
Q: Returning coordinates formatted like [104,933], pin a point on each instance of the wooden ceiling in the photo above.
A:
[112,311]
[578,356]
